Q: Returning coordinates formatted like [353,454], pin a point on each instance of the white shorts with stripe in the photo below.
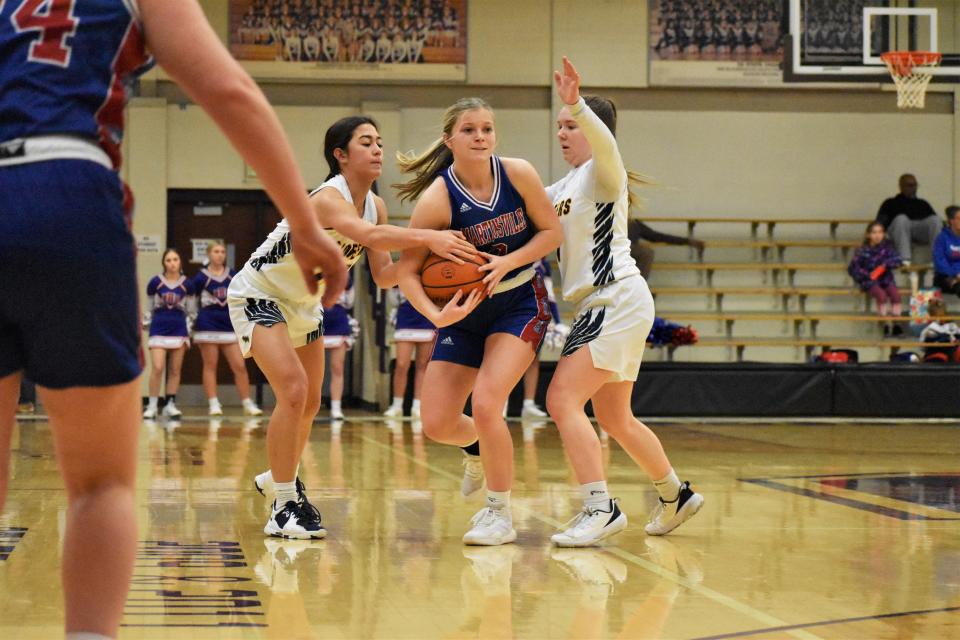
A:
[304,322]
[614,322]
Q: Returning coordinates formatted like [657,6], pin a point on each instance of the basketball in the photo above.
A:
[441,278]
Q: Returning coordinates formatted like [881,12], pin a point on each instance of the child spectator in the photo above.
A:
[940,331]
[872,268]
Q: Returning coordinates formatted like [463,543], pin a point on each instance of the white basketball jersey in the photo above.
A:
[272,269]
[595,249]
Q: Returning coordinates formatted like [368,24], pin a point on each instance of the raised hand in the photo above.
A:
[568,83]
[451,245]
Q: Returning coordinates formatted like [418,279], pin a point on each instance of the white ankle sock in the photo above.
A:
[213,402]
[398,402]
[286,492]
[528,402]
[85,635]
[152,402]
[335,406]
[248,402]
[416,405]
[668,487]
[595,495]
[498,499]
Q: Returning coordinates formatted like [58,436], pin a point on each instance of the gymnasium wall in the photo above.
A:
[741,152]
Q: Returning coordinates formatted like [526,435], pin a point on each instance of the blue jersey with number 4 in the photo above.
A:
[66,67]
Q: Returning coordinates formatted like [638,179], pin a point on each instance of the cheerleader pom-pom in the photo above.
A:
[684,336]
[556,335]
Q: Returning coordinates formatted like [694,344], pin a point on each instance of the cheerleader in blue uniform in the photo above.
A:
[172,305]
[338,338]
[214,333]
[413,335]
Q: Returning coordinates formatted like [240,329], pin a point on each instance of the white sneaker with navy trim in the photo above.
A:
[295,520]
[667,516]
[591,526]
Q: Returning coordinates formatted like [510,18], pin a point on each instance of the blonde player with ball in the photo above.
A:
[614,313]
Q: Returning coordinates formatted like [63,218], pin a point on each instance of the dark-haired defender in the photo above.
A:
[279,322]
[614,314]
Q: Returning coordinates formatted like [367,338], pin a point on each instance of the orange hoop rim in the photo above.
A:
[902,63]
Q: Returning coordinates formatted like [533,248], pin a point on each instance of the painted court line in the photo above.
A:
[881,616]
[656,569]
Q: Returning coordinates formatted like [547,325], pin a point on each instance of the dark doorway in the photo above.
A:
[241,219]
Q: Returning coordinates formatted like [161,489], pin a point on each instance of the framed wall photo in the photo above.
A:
[374,40]
[716,43]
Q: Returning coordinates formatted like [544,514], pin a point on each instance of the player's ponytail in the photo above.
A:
[427,166]
[338,136]
[606,110]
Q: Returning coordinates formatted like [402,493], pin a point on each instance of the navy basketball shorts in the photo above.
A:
[69,311]
[523,312]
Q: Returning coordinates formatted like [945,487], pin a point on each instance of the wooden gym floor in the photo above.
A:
[808,531]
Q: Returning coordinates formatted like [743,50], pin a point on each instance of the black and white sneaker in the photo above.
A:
[667,516]
[590,526]
[296,521]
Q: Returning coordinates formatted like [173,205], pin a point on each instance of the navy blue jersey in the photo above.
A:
[66,67]
[499,226]
[170,304]
[213,314]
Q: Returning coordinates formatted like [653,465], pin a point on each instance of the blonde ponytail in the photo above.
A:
[427,166]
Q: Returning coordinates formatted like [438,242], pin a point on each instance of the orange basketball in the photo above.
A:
[441,278]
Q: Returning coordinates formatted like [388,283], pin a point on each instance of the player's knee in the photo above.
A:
[486,407]
[311,406]
[435,425]
[292,391]
[558,401]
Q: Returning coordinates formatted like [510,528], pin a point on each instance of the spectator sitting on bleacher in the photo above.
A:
[908,218]
[946,254]
[642,252]
[872,268]
[940,331]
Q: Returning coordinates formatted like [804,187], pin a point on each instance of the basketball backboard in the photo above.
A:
[842,40]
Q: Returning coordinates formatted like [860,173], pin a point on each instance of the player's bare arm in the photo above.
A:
[184,44]
[334,212]
[432,212]
[541,214]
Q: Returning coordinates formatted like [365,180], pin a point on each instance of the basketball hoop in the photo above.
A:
[910,71]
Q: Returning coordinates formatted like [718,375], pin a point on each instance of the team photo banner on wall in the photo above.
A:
[716,43]
[351,39]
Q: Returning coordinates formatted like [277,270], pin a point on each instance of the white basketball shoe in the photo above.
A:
[667,516]
[591,526]
[491,527]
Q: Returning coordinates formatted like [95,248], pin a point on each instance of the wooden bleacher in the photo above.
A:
[801,320]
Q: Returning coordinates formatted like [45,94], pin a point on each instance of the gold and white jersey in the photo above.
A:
[591,201]
[272,269]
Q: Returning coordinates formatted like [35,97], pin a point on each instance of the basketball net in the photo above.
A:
[910,71]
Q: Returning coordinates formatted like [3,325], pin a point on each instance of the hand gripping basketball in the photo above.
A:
[442,278]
